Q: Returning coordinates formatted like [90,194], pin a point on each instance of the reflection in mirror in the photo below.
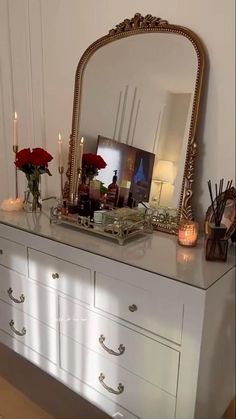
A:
[136,93]
[142,91]
[133,169]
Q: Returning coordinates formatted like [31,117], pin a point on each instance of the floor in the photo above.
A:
[20,398]
[230,412]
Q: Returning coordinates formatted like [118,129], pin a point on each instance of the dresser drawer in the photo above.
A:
[158,313]
[145,357]
[68,278]
[134,394]
[25,295]
[29,331]
[13,255]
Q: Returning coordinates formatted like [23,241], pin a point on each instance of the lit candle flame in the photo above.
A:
[15,116]
[82,140]
[59,136]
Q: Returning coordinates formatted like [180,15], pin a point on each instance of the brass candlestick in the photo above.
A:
[61,171]
[15,150]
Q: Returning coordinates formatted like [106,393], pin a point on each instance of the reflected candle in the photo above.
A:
[81,148]
[188,233]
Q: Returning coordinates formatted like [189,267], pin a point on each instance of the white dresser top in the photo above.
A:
[158,252]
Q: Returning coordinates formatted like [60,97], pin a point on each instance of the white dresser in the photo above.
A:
[141,331]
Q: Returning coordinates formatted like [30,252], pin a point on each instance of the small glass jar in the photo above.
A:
[188,233]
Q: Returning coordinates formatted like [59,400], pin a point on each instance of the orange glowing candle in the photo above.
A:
[188,233]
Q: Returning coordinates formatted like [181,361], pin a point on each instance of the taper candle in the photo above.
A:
[60,163]
[81,148]
[15,131]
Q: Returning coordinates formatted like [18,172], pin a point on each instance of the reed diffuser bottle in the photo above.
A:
[216,244]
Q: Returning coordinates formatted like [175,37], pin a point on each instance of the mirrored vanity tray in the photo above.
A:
[120,225]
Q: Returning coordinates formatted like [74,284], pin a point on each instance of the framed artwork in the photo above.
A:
[134,167]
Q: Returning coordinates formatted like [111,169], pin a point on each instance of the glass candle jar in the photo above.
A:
[188,233]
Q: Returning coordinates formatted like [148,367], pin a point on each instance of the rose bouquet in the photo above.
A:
[91,164]
[33,163]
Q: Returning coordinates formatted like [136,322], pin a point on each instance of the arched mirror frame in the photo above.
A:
[138,25]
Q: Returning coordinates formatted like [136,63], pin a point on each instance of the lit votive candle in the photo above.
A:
[188,233]
[12,204]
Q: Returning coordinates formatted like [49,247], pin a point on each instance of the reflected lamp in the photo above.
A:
[163,173]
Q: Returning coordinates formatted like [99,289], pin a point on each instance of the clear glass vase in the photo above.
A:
[32,197]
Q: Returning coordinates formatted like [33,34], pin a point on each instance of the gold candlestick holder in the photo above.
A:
[15,150]
[61,171]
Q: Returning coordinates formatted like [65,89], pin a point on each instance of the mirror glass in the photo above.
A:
[139,91]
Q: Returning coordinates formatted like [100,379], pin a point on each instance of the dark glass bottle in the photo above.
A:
[113,193]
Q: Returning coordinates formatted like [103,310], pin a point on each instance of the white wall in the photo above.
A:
[41,42]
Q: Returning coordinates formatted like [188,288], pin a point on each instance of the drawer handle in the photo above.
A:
[121,348]
[120,387]
[21,300]
[21,333]
[55,275]
[133,308]
[1,252]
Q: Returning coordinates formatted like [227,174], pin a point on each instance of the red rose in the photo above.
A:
[101,164]
[23,157]
[93,160]
[87,159]
[40,157]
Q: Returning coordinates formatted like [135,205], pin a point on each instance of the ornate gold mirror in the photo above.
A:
[140,85]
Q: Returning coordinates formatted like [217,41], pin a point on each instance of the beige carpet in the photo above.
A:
[26,392]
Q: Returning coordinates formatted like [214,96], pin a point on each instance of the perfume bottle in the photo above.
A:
[84,206]
[113,193]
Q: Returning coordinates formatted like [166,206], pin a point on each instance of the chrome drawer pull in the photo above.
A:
[120,387]
[21,300]
[121,348]
[55,275]
[133,308]
[21,333]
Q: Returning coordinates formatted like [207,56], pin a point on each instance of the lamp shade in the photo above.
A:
[163,171]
